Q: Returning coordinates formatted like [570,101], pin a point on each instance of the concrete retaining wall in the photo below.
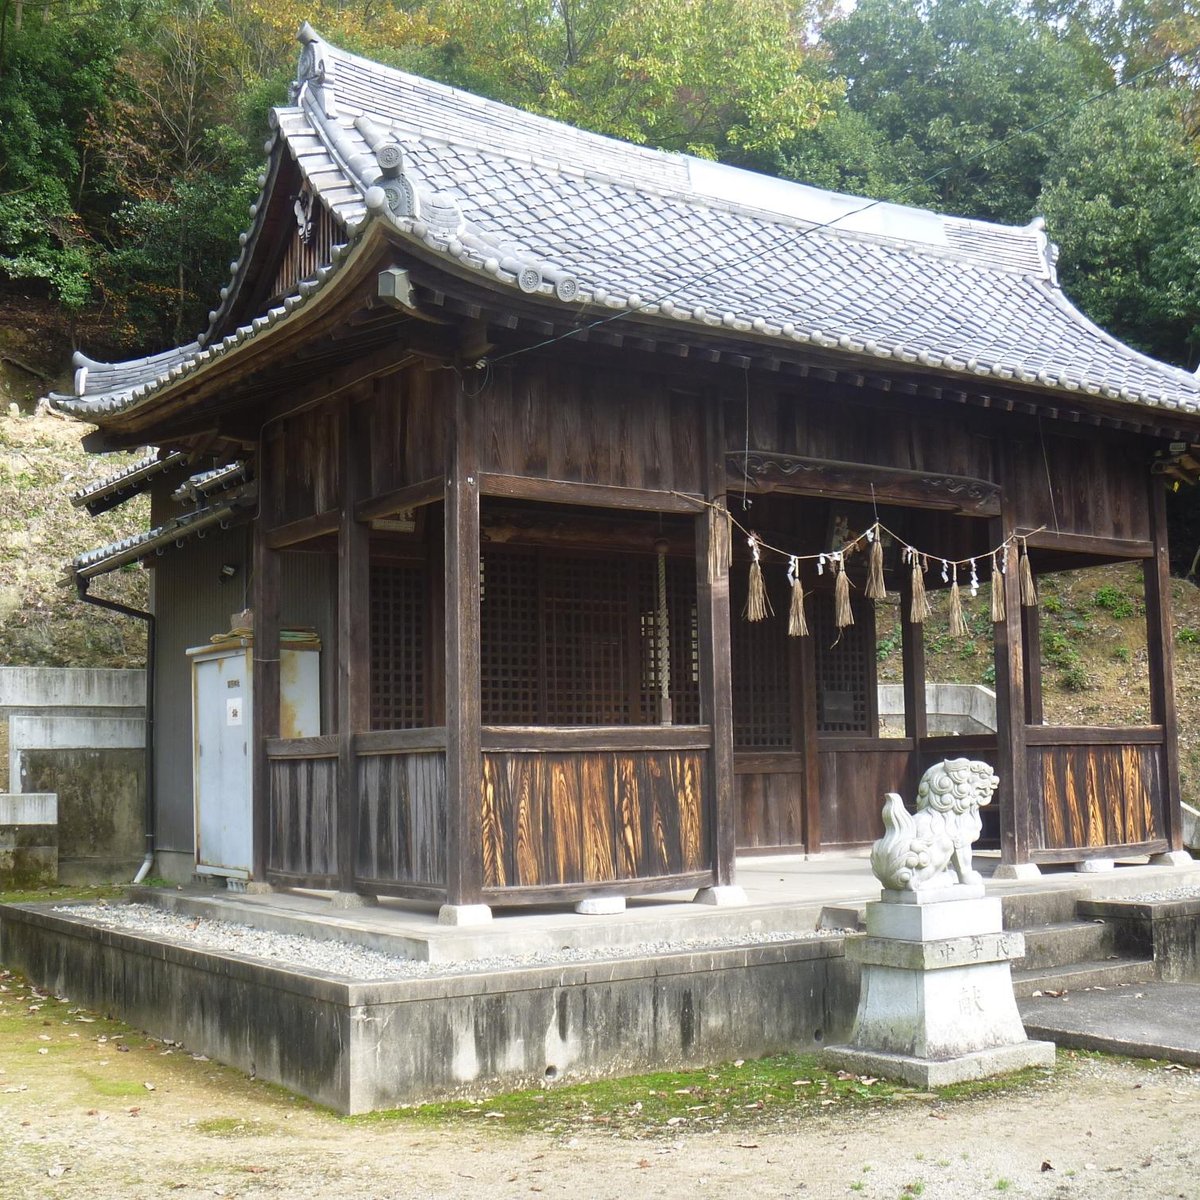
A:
[358,1047]
[28,841]
[79,733]
[71,687]
[950,708]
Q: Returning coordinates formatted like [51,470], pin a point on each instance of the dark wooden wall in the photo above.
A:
[1092,485]
[573,422]
[406,419]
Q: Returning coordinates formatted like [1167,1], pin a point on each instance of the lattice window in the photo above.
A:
[586,620]
[510,658]
[762,693]
[571,640]
[398,640]
[845,668]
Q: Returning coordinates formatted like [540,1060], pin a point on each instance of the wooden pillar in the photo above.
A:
[808,733]
[912,650]
[353,634]
[265,603]
[1031,628]
[1011,766]
[1156,574]
[464,759]
[716,672]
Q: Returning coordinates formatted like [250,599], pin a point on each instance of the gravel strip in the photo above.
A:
[358,963]
[1179,893]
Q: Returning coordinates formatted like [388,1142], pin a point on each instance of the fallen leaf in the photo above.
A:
[747,1145]
[57,1171]
[643,1163]
[739,1062]
[1047,1165]
[148,1086]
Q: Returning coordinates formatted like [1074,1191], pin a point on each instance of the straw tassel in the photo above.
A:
[758,606]
[958,625]
[1029,596]
[919,605]
[876,588]
[797,624]
[720,541]
[998,613]
[843,615]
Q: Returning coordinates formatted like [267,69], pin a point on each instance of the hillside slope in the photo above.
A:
[42,622]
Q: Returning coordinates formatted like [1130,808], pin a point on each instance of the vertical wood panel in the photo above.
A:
[853,785]
[302,834]
[594,817]
[402,818]
[1097,795]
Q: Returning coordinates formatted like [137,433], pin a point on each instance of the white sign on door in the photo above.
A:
[233,710]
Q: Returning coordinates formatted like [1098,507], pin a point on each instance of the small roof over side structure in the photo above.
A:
[597,230]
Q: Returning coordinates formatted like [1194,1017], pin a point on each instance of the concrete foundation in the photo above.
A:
[363,1046]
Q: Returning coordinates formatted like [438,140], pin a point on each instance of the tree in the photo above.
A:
[1128,223]
[56,79]
[966,93]
[718,78]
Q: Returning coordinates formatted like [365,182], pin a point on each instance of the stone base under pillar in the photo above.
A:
[927,1072]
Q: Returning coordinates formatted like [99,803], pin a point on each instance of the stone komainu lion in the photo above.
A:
[919,851]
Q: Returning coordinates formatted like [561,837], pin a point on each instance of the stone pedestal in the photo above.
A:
[936,1004]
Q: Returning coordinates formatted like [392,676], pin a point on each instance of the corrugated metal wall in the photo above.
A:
[192,603]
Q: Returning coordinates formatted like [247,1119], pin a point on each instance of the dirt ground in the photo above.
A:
[91,1109]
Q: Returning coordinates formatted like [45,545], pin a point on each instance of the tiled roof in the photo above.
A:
[621,230]
[200,487]
[120,486]
[155,541]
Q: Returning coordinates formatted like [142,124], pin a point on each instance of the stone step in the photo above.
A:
[1075,977]
[1066,942]
[1027,910]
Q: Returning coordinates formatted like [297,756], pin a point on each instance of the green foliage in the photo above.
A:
[1189,637]
[1113,600]
[721,79]
[53,85]
[960,92]
[1128,223]
[1075,678]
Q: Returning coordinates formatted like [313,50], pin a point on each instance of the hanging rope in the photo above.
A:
[663,623]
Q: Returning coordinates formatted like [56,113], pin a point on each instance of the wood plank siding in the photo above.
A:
[555,818]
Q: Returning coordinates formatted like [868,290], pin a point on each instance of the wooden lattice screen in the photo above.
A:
[398,647]
[568,639]
[845,668]
[761,654]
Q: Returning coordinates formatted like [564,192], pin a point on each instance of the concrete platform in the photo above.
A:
[1145,1020]
[783,893]
[357,1045]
